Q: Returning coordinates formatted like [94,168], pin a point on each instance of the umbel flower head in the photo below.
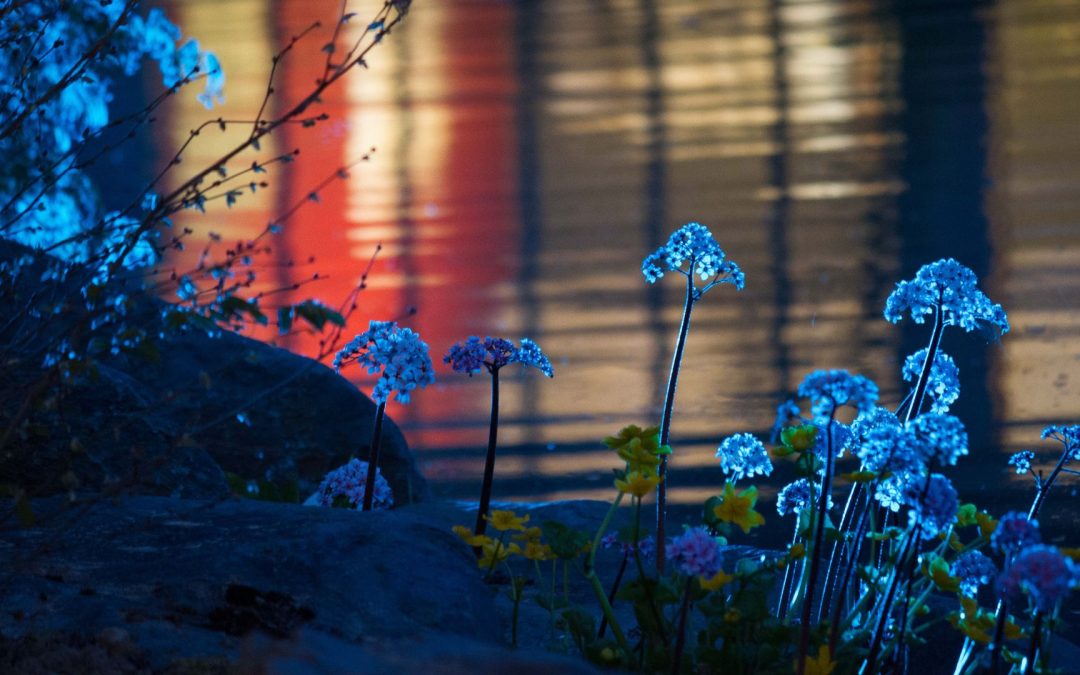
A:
[692,251]
[1021,461]
[973,569]
[940,438]
[932,503]
[830,389]
[1013,532]
[1043,573]
[695,553]
[795,497]
[944,383]
[400,355]
[345,485]
[952,287]
[742,455]
[1068,435]
[494,353]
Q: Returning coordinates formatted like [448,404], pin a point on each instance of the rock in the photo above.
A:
[192,579]
[173,425]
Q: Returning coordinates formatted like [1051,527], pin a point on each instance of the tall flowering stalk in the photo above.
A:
[947,290]
[827,391]
[401,359]
[692,252]
[492,354]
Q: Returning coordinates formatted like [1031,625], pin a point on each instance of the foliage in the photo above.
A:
[851,591]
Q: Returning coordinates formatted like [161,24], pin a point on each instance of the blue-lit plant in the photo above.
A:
[692,252]
[401,360]
[492,354]
[84,287]
[902,534]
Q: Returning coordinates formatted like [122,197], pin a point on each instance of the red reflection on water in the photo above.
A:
[439,191]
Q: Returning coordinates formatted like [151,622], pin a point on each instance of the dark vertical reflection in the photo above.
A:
[941,213]
[404,208]
[526,29]
[655,197]
[780,215]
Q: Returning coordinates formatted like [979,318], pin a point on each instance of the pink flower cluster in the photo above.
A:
[695,553]
[344,486]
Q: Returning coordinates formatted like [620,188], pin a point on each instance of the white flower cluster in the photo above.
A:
[345,486]
[398,353]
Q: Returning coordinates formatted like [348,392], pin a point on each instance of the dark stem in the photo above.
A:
[838,549]
[789,577]
[373,457]
[612,592]
[999,637]
[1044,486]
[924,375]
[680,636]
[489,463]
[665,420]
[852,563]
[886,602]
[819,537]
[1033,646]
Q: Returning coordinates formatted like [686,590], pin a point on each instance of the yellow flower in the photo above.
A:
[495,552]
[987,523]
[732,616]
[637,483]
[536,551]
[739,509]
[822,664]
[506,520]
[469,538]
[639,457]
[530,534]
[718,581]
[797,551]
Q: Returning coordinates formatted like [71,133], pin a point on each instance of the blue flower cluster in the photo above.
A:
[742,456]
[830,389]
[795,497]
[1014,531]
[933,503]
[1021,461]
[952,287]
[973,569]
[494,353]
[1068,435]
[349,482]
[398,353]
[943,387]
[941,439]
[1042,573]
[693,245]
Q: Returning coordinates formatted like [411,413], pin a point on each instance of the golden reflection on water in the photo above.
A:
[527,156]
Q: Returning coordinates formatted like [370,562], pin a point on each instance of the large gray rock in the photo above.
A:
[173,425]
[192,579]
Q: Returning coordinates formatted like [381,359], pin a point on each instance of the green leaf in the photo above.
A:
[284,320]
[566,542]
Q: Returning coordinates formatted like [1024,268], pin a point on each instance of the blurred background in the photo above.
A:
[525,156]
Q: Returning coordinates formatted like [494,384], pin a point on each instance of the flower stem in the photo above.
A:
[924,375]
[665,419]
[489,463]
[886,602]
[594,581]
[680,635]
[1033,647]
[815,554]
[373,457]
[613,591]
